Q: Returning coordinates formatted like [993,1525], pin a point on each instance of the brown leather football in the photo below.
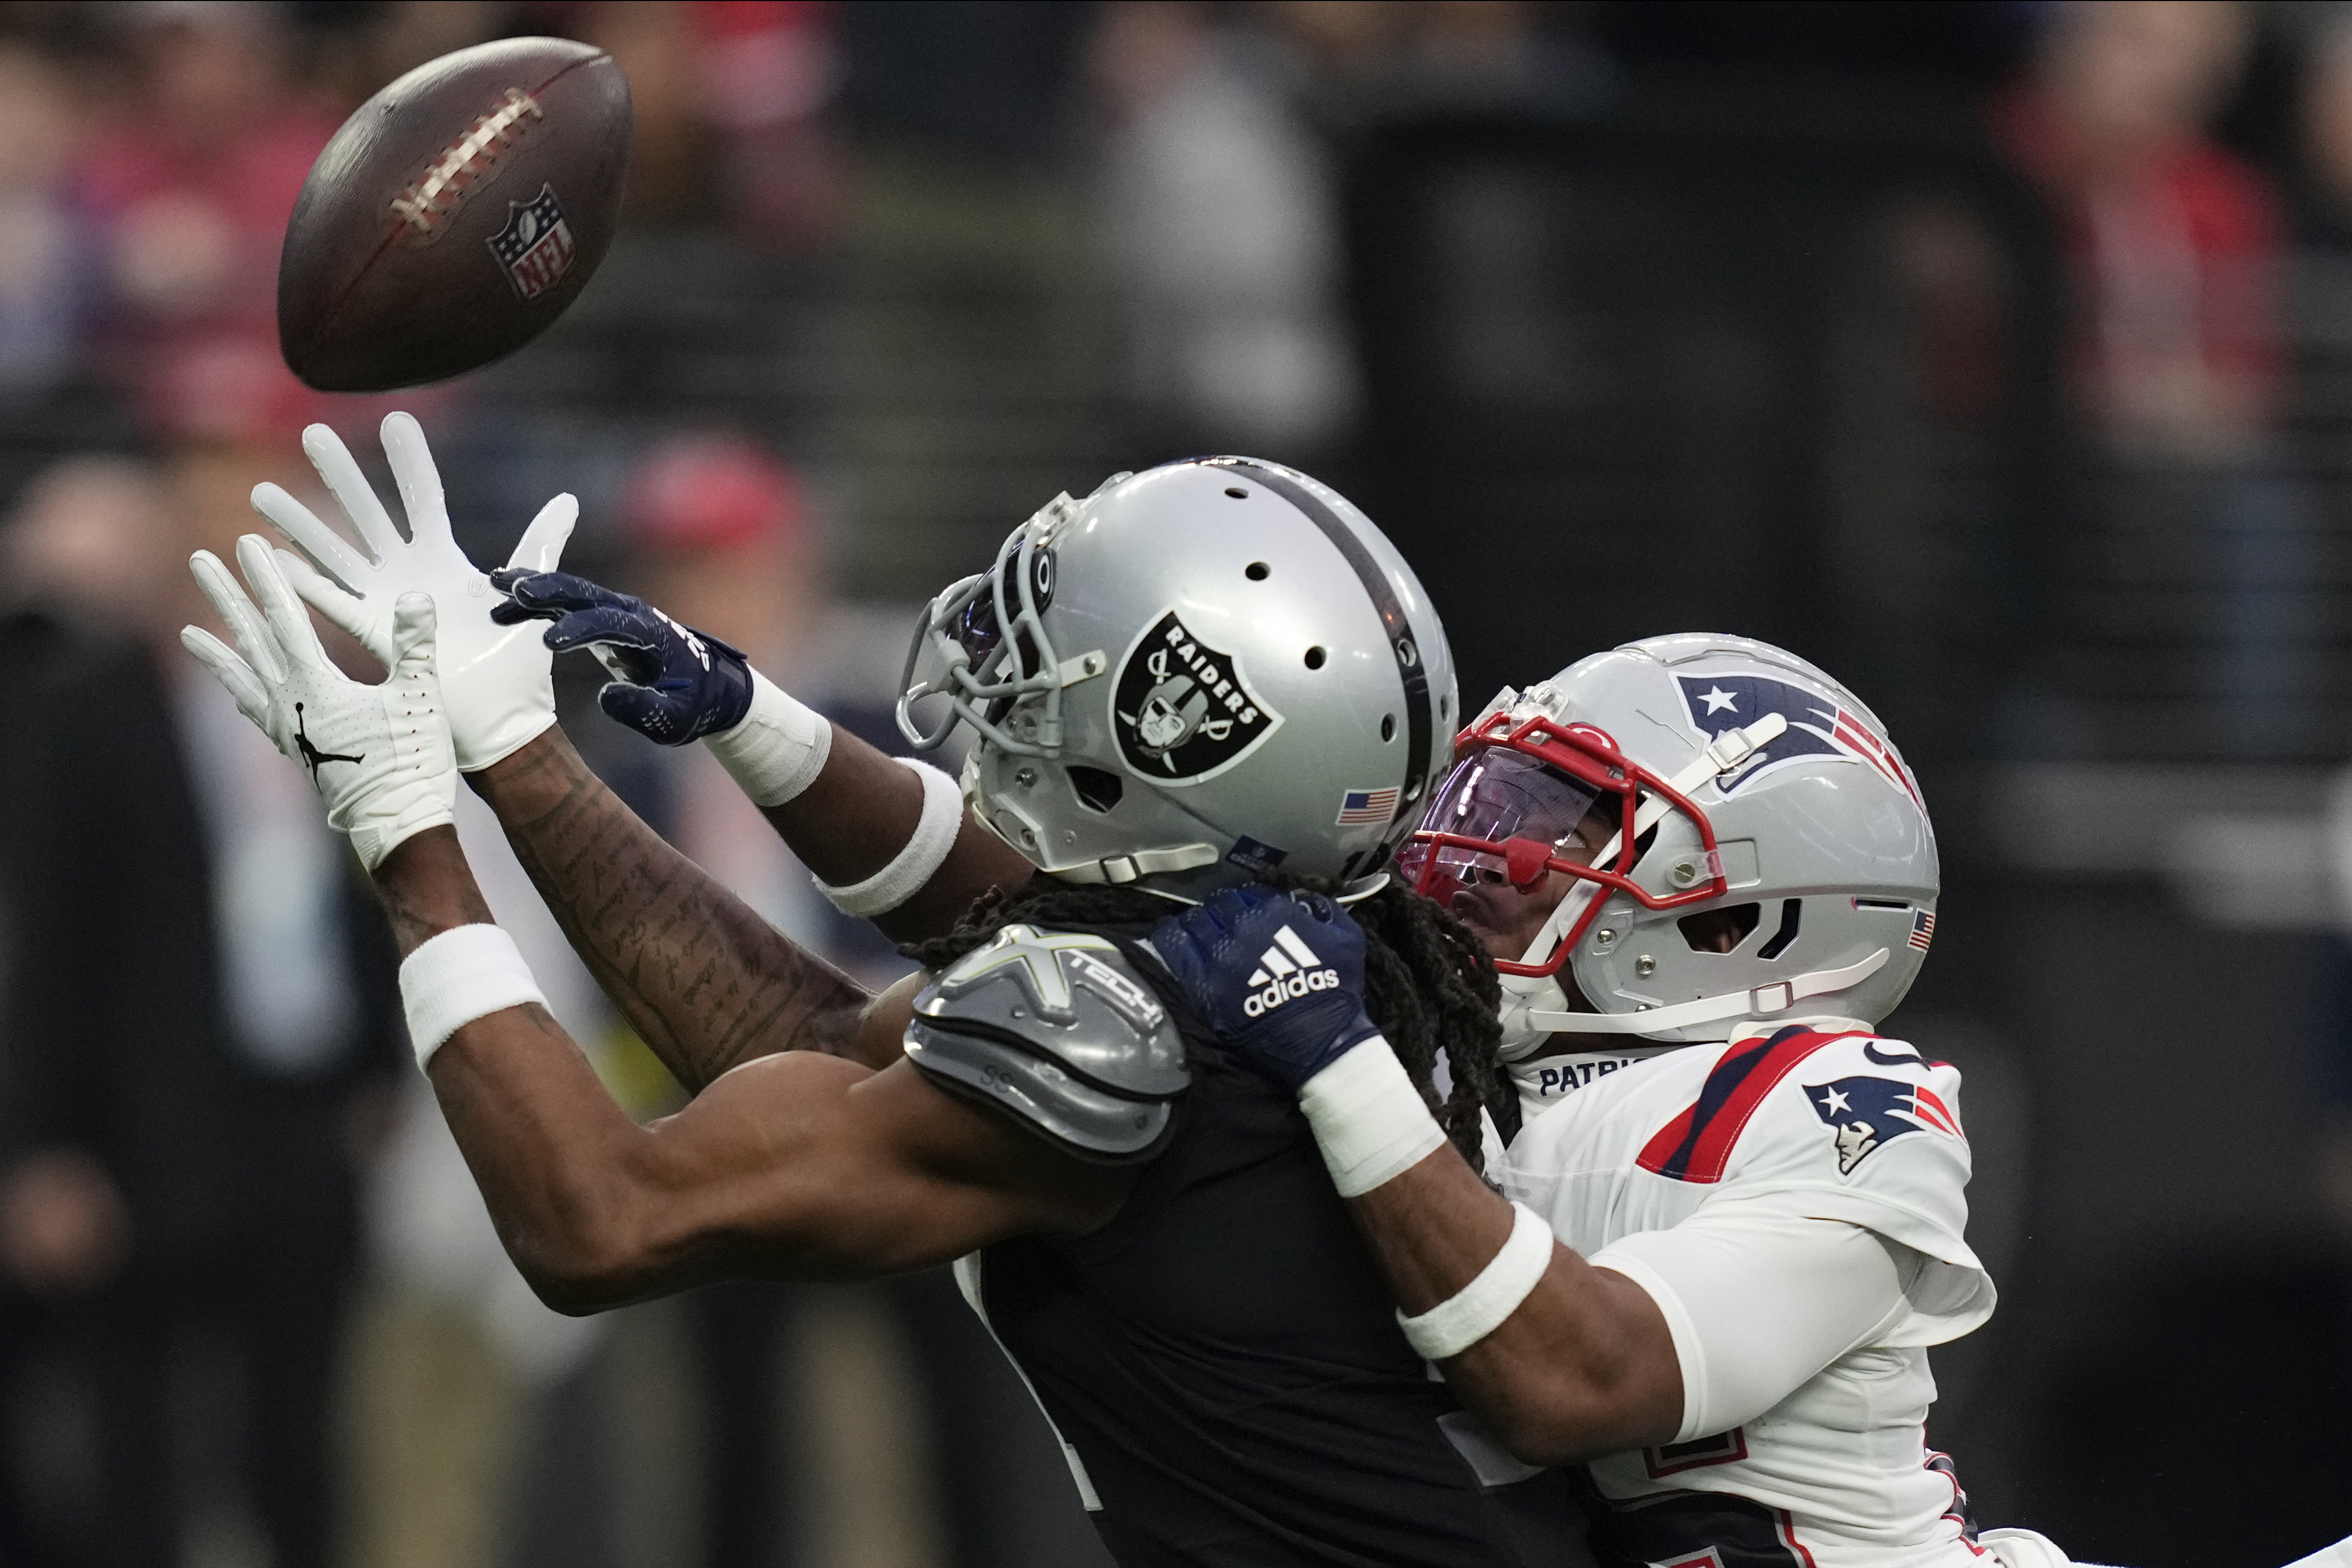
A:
[455,215]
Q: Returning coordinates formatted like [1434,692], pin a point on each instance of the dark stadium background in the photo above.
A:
[1797,320]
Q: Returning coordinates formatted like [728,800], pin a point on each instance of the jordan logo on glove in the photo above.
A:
[312,757]
[1288,969]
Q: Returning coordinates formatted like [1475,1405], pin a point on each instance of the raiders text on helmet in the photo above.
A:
[1193,677]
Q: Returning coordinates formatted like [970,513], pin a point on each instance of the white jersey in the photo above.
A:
[1706,1173]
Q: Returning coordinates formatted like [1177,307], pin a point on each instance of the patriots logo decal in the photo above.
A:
[1817,727]
[1865,1114]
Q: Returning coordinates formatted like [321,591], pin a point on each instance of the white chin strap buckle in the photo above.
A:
[1731,749]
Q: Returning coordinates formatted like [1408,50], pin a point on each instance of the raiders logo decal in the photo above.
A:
[1183,711]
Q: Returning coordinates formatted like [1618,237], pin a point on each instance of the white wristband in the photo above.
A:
[935,834]
[1368,1119]
[1478,1308]
[465,973]
[778,748]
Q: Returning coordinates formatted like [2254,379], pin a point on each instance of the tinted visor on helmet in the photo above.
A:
[976,631]
[1495,795]
[1519,793]
[991,652]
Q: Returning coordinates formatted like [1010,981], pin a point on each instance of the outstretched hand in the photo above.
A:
[1279,977]
[671,683]
[496,681]
[380,756]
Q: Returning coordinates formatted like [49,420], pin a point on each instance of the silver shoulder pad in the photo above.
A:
[1056,1029]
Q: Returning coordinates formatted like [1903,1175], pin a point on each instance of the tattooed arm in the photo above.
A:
[860,812]
[794,1165]
[702,978]
[674,685]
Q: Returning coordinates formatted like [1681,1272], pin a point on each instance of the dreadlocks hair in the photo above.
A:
[1428,982]
[1432,988]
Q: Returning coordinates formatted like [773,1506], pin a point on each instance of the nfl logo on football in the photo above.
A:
[535,247]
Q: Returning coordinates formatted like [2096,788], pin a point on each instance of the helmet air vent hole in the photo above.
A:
[1791,910]
[1237,493]
[1095,790]
[1721,930]
[1256,570]
[1315,657]
[1388,726]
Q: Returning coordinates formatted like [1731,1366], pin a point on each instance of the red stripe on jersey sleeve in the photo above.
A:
[1697,1145]
[1667,1141]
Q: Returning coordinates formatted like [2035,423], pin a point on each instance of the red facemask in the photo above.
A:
[1512,803]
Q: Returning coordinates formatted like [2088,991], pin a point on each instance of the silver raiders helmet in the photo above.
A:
[1193,677]
[1756,786]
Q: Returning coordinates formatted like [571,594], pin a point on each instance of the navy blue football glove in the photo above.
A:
[674,685]
[1279,977]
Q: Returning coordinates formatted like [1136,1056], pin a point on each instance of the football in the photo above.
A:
[454,215]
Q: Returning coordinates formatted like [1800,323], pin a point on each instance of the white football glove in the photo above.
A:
[496,679]
[378,755]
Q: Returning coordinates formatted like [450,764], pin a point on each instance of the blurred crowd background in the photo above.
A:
[1997,356]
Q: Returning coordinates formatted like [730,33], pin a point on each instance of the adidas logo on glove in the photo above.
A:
[1287,969]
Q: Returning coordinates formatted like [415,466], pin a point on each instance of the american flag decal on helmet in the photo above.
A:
[1361,805]
[1923,928]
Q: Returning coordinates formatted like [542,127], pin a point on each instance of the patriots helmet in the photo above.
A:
[1737,783]
[1193,678]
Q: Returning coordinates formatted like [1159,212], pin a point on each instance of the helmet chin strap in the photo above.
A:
[1531,1004]
[1763,1001]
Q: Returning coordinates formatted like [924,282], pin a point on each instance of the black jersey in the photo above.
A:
[1225,1362]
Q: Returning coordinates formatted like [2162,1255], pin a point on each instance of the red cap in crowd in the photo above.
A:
[712,492]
